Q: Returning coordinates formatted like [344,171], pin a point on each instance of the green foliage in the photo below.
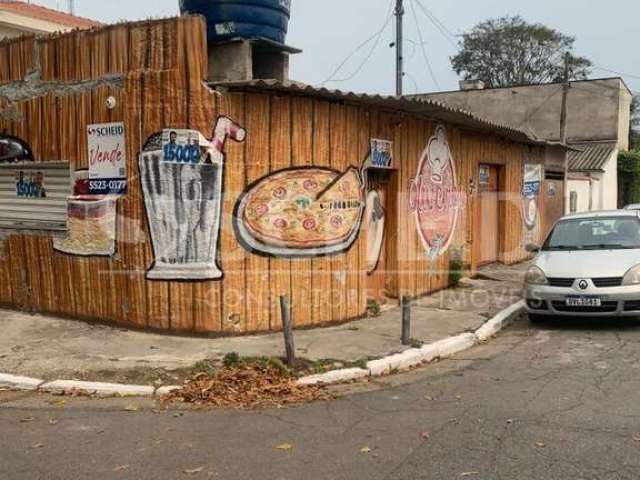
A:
[628,178]
[275,363]
[634,124]
[373,308]
[231,360]
[204,366]
[508,51]
[457,266]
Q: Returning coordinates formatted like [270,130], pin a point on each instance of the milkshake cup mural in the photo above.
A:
[182,175]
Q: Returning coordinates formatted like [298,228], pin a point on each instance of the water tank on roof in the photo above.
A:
[227,19]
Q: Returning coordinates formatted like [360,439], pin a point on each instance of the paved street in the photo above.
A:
[545,402]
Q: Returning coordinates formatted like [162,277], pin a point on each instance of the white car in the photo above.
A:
[588,266]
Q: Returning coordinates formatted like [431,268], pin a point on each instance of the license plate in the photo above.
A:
[583,302]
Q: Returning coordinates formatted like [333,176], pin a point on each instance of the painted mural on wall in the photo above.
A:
[301,212]
[530,195]
[307,212]
[380,155]
[374,226]
[434,197]
[30,184]
[91,221]
[181,174]
[13,149]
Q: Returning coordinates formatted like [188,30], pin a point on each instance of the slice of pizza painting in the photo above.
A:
[302,212]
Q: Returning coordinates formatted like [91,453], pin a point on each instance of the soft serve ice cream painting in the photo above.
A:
[181,173]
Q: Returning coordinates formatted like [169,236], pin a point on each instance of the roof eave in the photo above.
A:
[425,107]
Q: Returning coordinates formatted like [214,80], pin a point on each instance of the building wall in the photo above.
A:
[14,25]
[155,72]
[582,187]
[598,109]
[609,184]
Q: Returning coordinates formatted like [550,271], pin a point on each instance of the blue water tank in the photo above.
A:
[228,19]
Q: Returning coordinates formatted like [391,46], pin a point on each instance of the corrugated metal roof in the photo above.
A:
[424,107]
[590,157]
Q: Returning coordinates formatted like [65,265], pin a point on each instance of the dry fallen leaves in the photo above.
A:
[248,386]
[132,408]
[38,446]
[636,438]
[284,446]
[425,436]
[120,468]
[469,474]
[27,419]
[540,444]
[365,450]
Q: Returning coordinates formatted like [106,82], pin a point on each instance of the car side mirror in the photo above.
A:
[531,248]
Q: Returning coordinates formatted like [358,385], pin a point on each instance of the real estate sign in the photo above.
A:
[107,159]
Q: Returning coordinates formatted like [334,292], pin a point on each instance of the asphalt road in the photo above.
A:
[557,401]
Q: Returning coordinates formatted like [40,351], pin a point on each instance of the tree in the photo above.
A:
[634,124]
[508,51]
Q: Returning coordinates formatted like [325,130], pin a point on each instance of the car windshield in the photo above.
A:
[595,234]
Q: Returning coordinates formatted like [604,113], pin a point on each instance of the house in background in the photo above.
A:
[21,18]
[597,125]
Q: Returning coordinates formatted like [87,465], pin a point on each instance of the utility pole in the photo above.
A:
[72,7]
[399,41]
[563,130]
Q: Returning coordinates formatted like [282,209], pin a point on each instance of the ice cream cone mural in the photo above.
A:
[181,174]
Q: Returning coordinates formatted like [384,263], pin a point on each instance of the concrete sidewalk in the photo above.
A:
[49,347]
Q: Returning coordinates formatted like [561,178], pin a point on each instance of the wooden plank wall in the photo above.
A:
[162,65]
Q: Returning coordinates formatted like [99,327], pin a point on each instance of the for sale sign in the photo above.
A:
[107,159]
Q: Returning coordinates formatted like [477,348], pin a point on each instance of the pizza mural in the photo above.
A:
[433,195]
[301,212]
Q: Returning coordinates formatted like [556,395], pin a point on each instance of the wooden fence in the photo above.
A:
[155,71]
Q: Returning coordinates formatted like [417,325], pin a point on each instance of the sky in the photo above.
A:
[330,30]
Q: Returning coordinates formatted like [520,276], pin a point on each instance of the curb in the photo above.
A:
[414,357]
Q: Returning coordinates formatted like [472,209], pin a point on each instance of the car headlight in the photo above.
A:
[535,276]
[632,277]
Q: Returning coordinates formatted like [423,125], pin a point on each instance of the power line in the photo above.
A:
[637,77]
[422,43]
[375,38]
[442,28]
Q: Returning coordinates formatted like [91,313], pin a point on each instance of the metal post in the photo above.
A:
[399,41]
[289,344]
[406,321]
[563,129]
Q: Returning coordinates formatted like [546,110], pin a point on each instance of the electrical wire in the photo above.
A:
[375,38]
[442,28]
[422,43]
[637,77]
